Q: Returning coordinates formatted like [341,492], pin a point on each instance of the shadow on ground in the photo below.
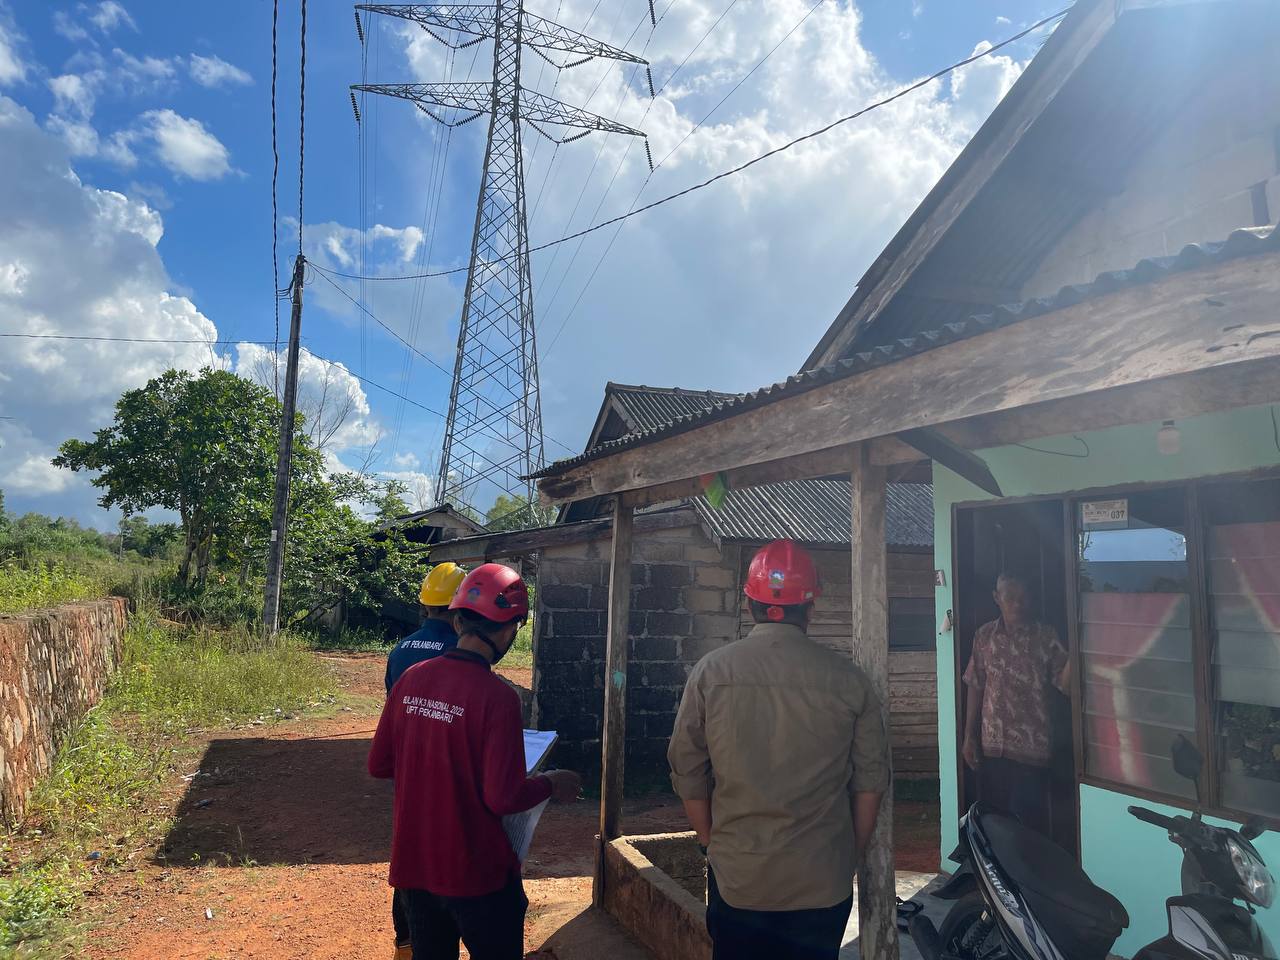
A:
[259,801]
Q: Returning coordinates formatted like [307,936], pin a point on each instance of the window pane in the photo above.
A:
[1243,549]
[911,624]
[1135,638]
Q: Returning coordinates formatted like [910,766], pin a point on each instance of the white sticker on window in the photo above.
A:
[1104,514]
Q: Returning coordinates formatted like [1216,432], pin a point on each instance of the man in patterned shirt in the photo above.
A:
[1015,662]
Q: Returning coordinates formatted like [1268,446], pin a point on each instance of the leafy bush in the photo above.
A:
[221,602]
[349,639]
[31,905]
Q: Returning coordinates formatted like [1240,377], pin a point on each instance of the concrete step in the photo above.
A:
[591,935]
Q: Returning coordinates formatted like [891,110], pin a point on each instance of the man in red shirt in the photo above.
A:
[450,736]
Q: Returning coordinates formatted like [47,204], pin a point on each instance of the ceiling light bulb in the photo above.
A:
[1169,439]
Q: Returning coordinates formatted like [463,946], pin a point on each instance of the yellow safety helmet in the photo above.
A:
[441,584]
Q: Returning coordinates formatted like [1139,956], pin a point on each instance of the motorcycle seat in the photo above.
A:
[1052,877]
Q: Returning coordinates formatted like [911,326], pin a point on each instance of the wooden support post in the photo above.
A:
[613,740]
[877,904]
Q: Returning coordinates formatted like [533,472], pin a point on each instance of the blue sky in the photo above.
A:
[161,112]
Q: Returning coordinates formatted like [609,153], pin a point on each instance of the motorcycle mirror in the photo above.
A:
[1253,829]
[1187,760]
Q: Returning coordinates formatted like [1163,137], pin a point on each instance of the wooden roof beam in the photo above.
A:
[1220,319]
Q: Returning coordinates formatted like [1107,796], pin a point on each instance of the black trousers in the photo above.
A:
[399,918]
[1018,789]
[492,926]
[773,934]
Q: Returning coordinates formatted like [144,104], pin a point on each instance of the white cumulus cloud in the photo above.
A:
[749,271]
[330,397]
[185,146]
[213,71]
[57,389]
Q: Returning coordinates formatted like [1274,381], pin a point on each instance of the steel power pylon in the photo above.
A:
[493,438]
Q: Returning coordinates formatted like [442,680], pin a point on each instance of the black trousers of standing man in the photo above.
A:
[492,925]
[774,934]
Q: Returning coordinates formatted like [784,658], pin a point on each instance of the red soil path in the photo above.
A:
[283,837]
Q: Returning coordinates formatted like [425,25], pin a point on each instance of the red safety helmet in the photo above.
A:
[782,574]
[495,592]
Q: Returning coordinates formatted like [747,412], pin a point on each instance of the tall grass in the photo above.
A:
[201,676]
[26,587]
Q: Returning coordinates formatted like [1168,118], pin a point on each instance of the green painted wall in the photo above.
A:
[1113,842]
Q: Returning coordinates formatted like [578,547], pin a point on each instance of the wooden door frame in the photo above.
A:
[1069,579]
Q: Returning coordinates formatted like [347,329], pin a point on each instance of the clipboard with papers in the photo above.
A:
[520,826]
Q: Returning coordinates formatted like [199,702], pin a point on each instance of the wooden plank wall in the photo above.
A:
[913,682]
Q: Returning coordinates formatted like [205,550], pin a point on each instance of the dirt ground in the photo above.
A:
[280,838]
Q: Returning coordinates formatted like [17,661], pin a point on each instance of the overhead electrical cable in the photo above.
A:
[275,211]
[733,171]
[302,118]
[745,77]
[68,336]
[372,316]
[639,193]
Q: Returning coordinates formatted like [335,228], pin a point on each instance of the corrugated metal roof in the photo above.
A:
[648,408]
[817,512]
[810,511]
[1241,243]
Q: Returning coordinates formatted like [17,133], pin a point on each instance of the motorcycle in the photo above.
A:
[1019,896]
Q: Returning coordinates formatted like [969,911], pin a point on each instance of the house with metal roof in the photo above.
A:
[690,558]
[1079,328]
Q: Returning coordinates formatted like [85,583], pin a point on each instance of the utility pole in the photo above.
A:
[493,438]
[284,461]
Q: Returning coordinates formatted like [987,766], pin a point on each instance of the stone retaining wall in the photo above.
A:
[54,665]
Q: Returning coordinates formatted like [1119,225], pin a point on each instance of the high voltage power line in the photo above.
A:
[68,336]
[408,346]
[648,179]
[911,88]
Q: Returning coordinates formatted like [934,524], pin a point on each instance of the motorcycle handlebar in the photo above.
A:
[1150,816]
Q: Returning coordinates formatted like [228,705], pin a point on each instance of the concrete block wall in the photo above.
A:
[1215,169]
[683,604]
[54,666]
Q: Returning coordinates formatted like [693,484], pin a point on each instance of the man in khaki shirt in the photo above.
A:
[780,755]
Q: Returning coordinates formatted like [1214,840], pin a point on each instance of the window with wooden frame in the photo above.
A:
[1178,626]
[912,624]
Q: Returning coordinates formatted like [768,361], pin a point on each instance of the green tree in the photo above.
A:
[200,445]
[331,556]
[148,539]
[391,501]
[516,513]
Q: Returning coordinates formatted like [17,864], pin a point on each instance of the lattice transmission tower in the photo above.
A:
[493,437]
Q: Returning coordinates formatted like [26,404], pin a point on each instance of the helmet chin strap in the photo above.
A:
[497,654]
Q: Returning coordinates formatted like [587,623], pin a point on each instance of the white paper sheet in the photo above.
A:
[537,744]
[520,826]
